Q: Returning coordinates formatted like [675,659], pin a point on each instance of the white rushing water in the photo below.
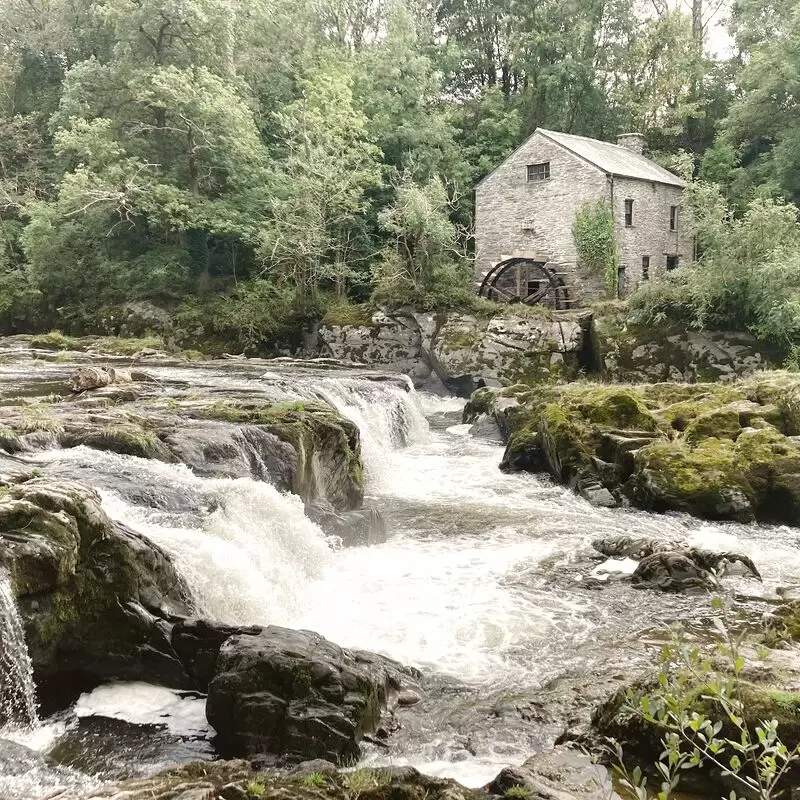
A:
[17,689]
[476,581]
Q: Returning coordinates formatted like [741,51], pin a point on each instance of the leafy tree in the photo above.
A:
[420,267]
[315,233]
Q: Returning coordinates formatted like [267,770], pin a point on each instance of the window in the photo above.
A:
[539,172]
[645,268]
[629,213]
[673,218]
[672,262]
[622,281]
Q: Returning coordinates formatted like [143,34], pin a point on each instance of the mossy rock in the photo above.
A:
[328,445]
[721,423]
[564,443]
[90,592]
[482,401]
[611,407]
[125,439]
[708,480]
[10,441]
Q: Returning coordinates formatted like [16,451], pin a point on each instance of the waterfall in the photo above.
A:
[388,415]
[17,690]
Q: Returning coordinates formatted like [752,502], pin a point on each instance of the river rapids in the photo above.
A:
[478,584]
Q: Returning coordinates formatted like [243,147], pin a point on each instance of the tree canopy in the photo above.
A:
[215,150]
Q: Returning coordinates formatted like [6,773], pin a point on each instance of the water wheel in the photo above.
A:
[525,280]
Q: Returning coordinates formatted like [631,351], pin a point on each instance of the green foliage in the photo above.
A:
[517,792]
[421,267]
[255,789]
[242,166]
[315,780]
[704,707]
[748,275]
[361,780]
[593,234]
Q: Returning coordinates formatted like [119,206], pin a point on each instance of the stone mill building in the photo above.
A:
[525,209]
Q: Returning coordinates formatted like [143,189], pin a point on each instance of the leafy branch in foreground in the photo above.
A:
[700,705]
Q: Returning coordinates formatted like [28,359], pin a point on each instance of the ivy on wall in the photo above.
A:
[593,234]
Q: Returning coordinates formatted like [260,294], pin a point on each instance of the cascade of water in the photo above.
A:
[17,689]
[389,416]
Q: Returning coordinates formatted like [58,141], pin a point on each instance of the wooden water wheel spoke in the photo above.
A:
[525,280]
[509,295]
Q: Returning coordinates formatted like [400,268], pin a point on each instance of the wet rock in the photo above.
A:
[295,695]
[96,598]
[361,527]
[591,490]
[671,572]
[306,448]
[559,774]
[638,547]
[197,643]
[219,450]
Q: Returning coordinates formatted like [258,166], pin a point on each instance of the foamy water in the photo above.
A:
[479,581]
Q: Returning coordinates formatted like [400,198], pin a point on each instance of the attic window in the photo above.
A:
[539,172]
[629,213]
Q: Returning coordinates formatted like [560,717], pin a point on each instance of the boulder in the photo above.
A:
[626,352]
[296,695]
[559,774]
[714,451]
[96,598]
[463,351]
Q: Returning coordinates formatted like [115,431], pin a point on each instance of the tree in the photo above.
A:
[315,232]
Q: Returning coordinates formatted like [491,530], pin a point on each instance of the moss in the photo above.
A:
[192,355]
[455,338]
[344,313]
[482,401]
[129,440]
[721,423]
[611,407]
[54,340]
[704,480]
[565,443]
[118,346]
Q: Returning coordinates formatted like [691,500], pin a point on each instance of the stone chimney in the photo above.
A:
[631,141]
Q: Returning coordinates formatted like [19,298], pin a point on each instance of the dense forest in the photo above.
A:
[248,165]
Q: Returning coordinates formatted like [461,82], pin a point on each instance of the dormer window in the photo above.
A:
[539,172]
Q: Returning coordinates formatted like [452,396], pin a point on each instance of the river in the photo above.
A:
[480,583]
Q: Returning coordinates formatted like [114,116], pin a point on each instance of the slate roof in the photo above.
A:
[613,159]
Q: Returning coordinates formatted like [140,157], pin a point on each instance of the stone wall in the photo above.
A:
[514,215]
[650,234]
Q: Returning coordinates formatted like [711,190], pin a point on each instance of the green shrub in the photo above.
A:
[595,243]
[711,717]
